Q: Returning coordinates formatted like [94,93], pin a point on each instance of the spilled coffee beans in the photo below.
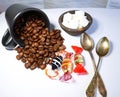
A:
[40,44]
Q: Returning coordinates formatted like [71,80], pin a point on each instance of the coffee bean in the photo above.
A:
[27,65]
[43,66]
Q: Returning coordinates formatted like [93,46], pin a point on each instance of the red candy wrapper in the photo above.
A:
[79,69]
[77,50]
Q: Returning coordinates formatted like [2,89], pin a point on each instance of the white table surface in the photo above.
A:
[16,81]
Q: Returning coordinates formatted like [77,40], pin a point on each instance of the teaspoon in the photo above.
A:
[88,44]
[102,49]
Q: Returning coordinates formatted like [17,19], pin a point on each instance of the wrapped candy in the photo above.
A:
[67,67]
[78,60]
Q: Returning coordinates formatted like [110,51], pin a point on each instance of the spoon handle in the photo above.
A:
[100,83]
[101,86]
[90,92]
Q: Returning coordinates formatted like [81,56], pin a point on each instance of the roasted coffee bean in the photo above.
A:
[27,46]
[53,41]
[47,60]
[62,47]
[31,60]
[56,47]
[23,60]
[27,65]
[43,66]
[42,39]
[18,49]
[33,66]
[52,33]
[40,47]
[18,57]
[41,52]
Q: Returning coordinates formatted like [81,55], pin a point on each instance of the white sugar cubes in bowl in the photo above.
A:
[75,22]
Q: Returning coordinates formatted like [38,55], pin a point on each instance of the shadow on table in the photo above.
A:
[93,27]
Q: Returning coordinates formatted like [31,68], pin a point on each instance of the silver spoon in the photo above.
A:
[88,44]
[102,49]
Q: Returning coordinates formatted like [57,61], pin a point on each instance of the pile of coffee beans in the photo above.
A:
[40,43]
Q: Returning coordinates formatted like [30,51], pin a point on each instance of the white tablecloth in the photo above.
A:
[16,81]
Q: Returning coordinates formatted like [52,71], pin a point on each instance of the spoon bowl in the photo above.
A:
[102,47]
[86,42]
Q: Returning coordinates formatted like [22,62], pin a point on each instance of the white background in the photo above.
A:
[55,3]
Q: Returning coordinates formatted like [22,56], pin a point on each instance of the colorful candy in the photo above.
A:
[79,62]
[69,63]
[56,62]
[66,76]
[52,74]
[78,59]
